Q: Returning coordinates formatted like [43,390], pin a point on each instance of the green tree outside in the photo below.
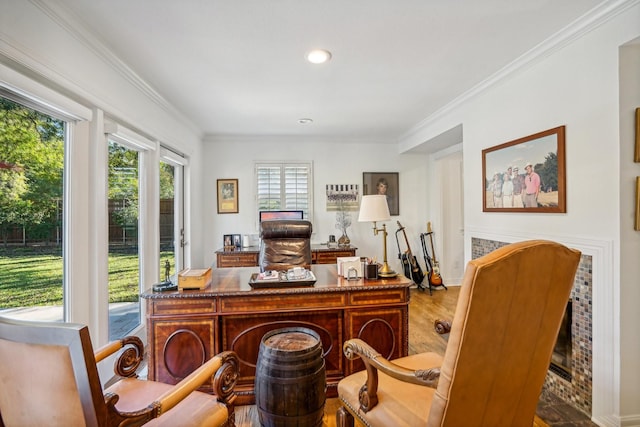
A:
[31,166]
[548,172]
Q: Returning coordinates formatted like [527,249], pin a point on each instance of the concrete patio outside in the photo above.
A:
[124,316]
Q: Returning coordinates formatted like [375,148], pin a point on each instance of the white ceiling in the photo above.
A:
[237,67]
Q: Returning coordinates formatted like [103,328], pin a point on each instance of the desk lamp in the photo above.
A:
[374,208]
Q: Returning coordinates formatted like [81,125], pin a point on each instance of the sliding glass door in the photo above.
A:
[32,166]
[172,234]
[124,254]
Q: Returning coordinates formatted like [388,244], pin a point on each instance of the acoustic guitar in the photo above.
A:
[410,264]
[434,276]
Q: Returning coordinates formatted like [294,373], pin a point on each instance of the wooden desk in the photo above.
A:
[248,257]
[186,328]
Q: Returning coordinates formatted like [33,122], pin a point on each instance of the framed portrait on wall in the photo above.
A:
[383,183]
[526,175]
[227,196]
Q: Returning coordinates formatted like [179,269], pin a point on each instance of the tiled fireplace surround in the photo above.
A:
[578,391]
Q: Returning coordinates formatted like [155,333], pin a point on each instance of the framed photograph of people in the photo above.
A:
[526,175]
[237,240]
[227,240]
[383,183]
[227,196]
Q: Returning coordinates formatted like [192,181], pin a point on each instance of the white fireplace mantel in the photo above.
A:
[605,327]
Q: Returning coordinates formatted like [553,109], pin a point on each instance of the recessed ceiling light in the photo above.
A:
[305,121]
[318,56]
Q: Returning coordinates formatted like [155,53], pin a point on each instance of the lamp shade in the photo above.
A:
[374,208]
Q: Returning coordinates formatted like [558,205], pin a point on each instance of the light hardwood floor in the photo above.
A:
[424,310]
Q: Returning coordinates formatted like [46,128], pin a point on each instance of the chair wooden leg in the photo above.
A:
[344,418]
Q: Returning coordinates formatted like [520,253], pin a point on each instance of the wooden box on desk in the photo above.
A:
[191,278]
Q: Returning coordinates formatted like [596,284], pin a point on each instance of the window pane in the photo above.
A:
[269,197]
[31,193]
[167,222]
[124,258]
[284,186]
[296,188]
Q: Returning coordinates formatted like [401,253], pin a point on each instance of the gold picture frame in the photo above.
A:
[636,226]
[227,196]
[539,157]
[636,157]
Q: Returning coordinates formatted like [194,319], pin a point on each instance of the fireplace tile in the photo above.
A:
[576,393]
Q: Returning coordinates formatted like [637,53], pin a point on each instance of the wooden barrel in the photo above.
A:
[290,382]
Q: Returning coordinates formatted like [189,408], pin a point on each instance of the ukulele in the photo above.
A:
[410,264]
[434,277]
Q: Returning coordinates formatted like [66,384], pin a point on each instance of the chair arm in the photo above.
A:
[374,362]
[221,370]
[129,360]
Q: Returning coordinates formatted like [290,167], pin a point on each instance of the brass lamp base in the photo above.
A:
[386,271]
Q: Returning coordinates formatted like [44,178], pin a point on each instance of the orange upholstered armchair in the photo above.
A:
[285,244]
[503,332]
[49,377]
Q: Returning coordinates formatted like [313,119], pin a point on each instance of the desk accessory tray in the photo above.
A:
[283,281]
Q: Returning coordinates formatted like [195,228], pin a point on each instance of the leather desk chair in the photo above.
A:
[285,244]
[504,329]
[49,377]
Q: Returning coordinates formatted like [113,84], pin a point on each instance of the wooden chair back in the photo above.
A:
[48,376]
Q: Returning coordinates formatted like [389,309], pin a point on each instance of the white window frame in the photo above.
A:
[308,214]
[181,234]
[148,208]
[34,95]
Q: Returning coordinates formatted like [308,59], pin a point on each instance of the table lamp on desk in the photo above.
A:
[374,208]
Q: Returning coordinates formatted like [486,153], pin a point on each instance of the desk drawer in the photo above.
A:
[163,307]
[329,257]
[281,302]
[391,296]
[229,260]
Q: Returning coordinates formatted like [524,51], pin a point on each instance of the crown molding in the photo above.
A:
[218,138]
[70,23]
[573,31]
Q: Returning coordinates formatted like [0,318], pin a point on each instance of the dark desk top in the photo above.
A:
[235,281]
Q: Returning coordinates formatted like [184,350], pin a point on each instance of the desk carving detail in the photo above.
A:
[230,315]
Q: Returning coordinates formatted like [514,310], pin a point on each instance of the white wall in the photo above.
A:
[629,240]
[575,84]
[45,54]
[333,163]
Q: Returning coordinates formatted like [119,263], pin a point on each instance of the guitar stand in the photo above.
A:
[427,261]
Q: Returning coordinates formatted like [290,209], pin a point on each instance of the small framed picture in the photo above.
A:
[227,196]
[228,241]
[383,183]
[237,240]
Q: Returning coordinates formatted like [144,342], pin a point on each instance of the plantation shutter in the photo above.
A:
[284,186]
[269,188]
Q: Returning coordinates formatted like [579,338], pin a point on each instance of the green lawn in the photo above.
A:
[33,277]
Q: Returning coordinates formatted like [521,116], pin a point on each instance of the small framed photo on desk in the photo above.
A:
[227,242]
